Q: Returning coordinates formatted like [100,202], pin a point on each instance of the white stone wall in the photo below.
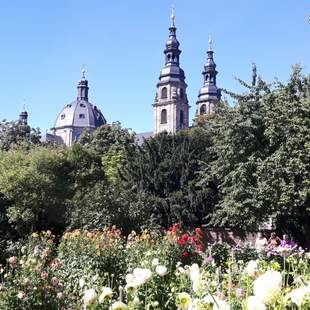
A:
[173,105]
[70,135]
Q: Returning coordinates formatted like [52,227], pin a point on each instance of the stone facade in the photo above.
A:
[171,109]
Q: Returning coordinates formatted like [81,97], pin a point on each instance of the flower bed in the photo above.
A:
[173,270]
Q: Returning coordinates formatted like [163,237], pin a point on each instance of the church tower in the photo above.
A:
[209,95]
[23,117]
[171,109]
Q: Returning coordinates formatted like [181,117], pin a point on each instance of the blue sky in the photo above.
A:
[45,43]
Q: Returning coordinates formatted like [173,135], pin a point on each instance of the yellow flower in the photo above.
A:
[183,300]
[34,235]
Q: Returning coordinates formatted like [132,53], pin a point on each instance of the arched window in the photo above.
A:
[163,116]
[181,93]
[203,109]
[164,93]
[181,117]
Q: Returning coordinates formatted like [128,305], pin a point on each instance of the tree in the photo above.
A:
[99,198]
[15,133]
[284,176]
[36,183]
[261,156]
[161,174]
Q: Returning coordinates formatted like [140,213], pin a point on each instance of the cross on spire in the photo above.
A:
[83,72]
[210,41]
[172,17]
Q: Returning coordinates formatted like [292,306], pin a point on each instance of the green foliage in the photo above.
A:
[235,168]
[162,173]
[17,134]
[261,156]
[35,181]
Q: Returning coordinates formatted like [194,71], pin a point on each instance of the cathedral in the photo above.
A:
[170,107]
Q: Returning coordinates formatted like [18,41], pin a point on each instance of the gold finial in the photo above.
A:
[172,16]
[210,42]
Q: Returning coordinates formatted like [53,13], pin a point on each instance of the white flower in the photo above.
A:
[21,295]
[119,306]
[130,282]
[60,295]
[141,275]
[81,283]
[155,261]
[253,303]
[161,270]
[136,301]
[267,287]
[90,297]
[36,250]
[181,270]
[298,295]
[195,276]
[107,293]
[252,268]
[220,304]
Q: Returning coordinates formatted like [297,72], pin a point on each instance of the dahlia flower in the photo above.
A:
[161,270]
[90,297]
[252,268]
[119,306]
[183,301]
[254,303]
[107,293]
[267,287]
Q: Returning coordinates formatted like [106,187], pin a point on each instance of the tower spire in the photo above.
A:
[171,109]
[82,87]
[23,116]
[172,51]
[209,94]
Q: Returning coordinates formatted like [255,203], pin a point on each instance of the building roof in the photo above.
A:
[79,113]
[140,137]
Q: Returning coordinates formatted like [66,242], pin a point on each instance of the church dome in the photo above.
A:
[79,113]
[75,117]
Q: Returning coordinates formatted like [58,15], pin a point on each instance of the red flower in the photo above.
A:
[198,231]
[181,242]
[185,236]
[200,248]
[185,254]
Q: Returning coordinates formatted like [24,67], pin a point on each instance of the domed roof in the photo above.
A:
[80,113]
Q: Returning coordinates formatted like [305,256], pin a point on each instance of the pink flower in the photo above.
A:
[54,281]
[12,261]
[240,292]
[44,275]
[46,252]
[55,264]
[198,231]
